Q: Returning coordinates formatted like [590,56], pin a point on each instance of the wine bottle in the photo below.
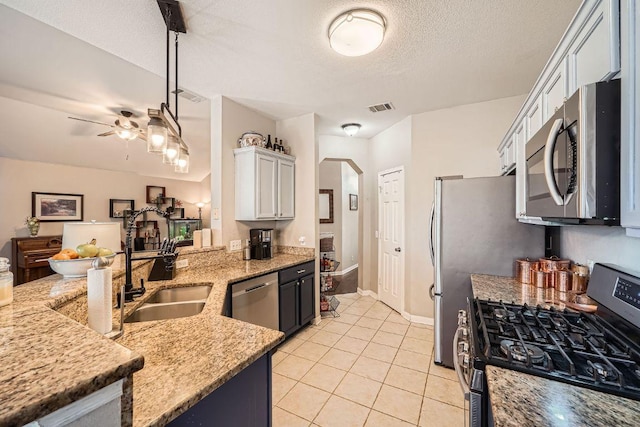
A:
[275,145]
[268,146]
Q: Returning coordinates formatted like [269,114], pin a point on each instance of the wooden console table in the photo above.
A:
[29,257]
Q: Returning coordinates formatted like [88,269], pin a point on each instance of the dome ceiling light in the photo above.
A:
[351,128]
[356,32]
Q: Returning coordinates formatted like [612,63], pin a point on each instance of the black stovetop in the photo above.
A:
[577,348]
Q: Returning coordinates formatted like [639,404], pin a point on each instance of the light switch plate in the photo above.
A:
[216,213]
[235,245]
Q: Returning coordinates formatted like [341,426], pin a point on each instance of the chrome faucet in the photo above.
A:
[129,291]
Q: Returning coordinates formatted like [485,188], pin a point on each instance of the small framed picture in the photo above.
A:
[117,207]
[50,207]
[155,194]
[353,202]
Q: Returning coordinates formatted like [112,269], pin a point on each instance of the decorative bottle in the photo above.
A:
[268,146]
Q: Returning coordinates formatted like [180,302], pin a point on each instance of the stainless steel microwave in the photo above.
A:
[573,161]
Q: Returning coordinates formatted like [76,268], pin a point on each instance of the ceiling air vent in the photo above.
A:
[189,95]
[381,107]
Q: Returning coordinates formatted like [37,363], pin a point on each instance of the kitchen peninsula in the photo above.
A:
[49,347]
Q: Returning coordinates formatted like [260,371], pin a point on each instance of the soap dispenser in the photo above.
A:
[6,283]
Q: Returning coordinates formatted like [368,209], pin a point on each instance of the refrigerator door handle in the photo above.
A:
[431,250]
[431,293]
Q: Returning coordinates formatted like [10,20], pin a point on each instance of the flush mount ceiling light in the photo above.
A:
[356,32]
[351,128]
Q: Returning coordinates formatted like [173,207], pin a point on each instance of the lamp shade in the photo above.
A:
[156,136]
[351,128]
[107,234]
[356,32]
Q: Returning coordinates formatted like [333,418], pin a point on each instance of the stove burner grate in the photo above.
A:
[601,372]
[502,314]
[519,353]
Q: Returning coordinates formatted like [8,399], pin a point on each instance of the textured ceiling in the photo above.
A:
[274,56]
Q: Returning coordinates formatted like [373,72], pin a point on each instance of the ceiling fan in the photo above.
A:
[123,127]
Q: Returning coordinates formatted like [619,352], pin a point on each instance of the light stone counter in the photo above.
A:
[50,358]
[522,400]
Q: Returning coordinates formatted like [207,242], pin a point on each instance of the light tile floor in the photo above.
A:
[368,367]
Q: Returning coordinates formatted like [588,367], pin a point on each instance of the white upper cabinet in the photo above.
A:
[630,118]
[589,51]
[264,184]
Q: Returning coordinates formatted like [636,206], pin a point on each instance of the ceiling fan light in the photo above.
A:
[356,32]
[182,165]
[170,155]
[127,134]
[351,128]
[156,136]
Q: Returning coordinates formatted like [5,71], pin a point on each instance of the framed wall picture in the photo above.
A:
[50,207]
[326,207]
[353,202]
[156,194]
[117,207]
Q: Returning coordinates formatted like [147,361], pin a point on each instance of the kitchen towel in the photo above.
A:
[197,239]
[206,237]
[99,298]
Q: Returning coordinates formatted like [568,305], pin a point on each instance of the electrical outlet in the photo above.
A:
[235,245]
[182,263]
[590,264]
[302,240]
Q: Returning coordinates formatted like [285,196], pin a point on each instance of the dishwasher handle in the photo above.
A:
[253,288]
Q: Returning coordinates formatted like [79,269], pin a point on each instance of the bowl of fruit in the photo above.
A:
[76,262]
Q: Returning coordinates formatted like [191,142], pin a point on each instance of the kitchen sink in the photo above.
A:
[192,293]
[172,310]
[171,304]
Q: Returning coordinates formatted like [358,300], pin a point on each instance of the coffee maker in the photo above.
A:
[260,243]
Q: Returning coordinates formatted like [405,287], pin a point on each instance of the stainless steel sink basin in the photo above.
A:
[172,310]
[192,293]
[171,304]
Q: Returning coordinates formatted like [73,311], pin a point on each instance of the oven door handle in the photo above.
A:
[549,176]
[456,364]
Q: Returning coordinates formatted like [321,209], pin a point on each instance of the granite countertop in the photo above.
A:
[51,358]
[519,399]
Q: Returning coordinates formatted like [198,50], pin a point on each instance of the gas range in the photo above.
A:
[599,351]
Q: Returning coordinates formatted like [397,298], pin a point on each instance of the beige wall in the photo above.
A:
[582,243]
[19,178]
[330,178]
[455,141]
[349,244]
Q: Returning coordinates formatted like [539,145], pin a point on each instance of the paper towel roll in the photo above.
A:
[99,298]
[197,239]
[206,237]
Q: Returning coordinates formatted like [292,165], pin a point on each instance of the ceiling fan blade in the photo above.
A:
[111,132]
[90,121]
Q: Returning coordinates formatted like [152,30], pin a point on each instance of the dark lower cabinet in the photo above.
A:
[296,302]
[244,400]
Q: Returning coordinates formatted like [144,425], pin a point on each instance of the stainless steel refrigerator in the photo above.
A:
[473,230]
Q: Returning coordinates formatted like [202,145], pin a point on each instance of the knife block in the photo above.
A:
[159,270]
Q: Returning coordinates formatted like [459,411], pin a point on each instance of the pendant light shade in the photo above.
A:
[351,128]
[170,155]
[356,32]
[182,164]
[156,136]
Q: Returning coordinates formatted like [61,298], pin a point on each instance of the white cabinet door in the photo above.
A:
[286,189]
[533,118]
[520,139]
[630,110]
[554,91]
[595,53]
[266,179]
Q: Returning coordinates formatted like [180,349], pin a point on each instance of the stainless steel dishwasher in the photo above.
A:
[256,301]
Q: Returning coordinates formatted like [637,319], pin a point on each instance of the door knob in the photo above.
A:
[398,250]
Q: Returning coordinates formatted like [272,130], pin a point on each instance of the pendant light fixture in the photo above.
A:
[357,32]
[164,133]
[351,128]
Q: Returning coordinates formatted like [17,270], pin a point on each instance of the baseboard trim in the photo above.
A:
[346,270]
[316,320]
[418,319]
[368,293]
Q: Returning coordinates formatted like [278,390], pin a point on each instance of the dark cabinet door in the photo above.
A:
[307,302]
[289,307]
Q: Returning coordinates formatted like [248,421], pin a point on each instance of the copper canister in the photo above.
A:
[579,282]
[554,263]
[540,279]
[535,266]
[580,269]
[523,268]
[563,280]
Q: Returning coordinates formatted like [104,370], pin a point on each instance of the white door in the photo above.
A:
[391,238]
